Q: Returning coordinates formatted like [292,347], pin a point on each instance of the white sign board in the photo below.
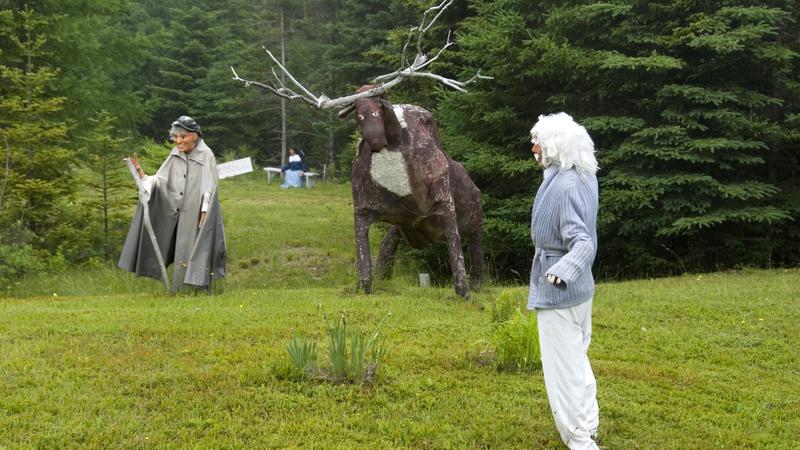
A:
[236,167]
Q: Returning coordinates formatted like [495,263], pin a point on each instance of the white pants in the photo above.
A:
[564,337]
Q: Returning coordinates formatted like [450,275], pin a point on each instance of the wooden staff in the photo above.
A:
[147,223]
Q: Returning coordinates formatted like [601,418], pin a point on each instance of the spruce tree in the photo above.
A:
[689,105]
[38,184]
[108,181]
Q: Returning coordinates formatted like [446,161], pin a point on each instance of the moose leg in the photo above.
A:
[455,252]
[387,252]
[363,220]
[476,261]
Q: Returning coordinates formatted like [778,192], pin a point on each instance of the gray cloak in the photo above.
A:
[175,195]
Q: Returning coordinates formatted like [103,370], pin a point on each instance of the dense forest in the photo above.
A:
[694,107]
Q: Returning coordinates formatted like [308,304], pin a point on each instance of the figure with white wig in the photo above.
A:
[563,229]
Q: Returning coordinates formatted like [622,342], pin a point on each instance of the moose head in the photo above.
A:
[376,119]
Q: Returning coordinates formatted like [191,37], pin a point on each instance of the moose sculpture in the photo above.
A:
[400,174]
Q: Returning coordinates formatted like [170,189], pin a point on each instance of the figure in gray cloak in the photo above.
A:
[185,214]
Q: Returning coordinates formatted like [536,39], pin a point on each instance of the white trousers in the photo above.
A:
[564,337]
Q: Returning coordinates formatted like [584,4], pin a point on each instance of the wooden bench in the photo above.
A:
[273,171]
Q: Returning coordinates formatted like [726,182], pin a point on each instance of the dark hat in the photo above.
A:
[188,124]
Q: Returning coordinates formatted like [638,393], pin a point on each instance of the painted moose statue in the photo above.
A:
[401,175]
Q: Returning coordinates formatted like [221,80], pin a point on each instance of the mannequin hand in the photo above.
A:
[554,280]
[135,161]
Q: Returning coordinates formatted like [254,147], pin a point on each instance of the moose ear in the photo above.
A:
[385,103]
[347,110]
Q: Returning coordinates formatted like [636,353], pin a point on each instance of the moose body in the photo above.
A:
[402,176]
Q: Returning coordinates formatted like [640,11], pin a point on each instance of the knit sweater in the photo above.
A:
[564,232]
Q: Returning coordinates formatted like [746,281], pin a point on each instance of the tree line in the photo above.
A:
[693,106]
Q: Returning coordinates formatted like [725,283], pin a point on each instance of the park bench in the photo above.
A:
[276,171]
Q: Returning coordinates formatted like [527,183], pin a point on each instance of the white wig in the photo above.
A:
[564,143]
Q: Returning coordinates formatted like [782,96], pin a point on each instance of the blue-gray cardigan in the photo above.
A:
[564,232]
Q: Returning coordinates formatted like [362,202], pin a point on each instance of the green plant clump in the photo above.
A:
[514,346]
[517,344]
[503,308]
[303,353]
[352,358]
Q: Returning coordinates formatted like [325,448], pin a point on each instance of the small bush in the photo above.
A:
[514,344]
[503,308]
[351,357]
[517,344]
[303,353]
[18,261]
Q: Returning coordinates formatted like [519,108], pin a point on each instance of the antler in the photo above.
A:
[420,62]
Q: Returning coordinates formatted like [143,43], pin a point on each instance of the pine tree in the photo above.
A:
[108,180]
[686,102]
[687,178]
[39,167]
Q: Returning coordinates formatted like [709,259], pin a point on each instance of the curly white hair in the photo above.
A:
[564,143]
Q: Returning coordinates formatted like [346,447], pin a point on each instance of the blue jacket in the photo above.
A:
[564,232]
[295,165]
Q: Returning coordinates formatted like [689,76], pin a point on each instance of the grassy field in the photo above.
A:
[96,358]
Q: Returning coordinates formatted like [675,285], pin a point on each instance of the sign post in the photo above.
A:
[235,167]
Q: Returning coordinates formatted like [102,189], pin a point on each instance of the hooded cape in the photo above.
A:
[175,195]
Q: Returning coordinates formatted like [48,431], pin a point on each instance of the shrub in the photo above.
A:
[517,344]
[503,308]
[303,353]
[514,345]
[17,261]
[352,358]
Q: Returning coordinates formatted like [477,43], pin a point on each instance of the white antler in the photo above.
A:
[389,80]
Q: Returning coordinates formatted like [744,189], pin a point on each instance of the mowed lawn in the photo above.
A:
[95,358]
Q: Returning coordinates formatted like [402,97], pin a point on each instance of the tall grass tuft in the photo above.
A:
[338,349]
[303,353]
[352,358]
[514,344]
[503,308]
[517,344]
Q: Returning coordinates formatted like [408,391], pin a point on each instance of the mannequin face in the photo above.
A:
[186,142]
[537,153]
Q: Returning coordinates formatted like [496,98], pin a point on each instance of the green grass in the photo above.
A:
[276,239]
[690,362]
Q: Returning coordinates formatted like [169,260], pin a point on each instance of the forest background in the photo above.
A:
[694,108]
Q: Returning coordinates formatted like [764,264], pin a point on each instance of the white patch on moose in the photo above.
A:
[388,169]
[398,112]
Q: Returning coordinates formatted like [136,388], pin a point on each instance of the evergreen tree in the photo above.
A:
[184,53]
[37,179]
[106,181]
[96,57]
[685,102]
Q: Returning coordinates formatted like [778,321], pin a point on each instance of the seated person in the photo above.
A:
[293,170]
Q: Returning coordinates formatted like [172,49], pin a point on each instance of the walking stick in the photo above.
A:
[148,225]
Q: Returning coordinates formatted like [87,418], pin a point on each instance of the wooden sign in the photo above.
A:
[235,167]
